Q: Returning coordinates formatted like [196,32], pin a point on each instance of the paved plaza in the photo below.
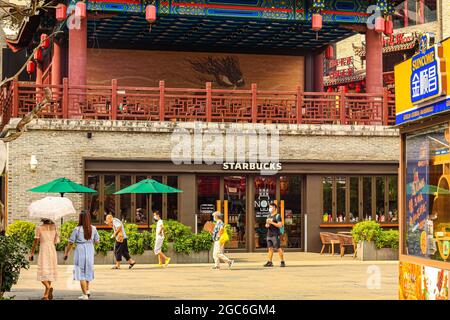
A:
[307,276]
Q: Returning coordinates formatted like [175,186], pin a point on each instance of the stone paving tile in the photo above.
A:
[307,276]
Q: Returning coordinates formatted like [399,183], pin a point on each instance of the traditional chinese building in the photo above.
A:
[126,74]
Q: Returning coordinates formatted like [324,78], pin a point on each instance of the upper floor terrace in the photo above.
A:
[116,102]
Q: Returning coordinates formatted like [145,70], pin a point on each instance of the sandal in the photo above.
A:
[50,294]
[132,265]
[44,298]
[115,268]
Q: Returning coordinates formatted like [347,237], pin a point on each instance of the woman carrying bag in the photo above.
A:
[220,237]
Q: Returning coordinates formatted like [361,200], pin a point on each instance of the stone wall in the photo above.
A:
[61,145]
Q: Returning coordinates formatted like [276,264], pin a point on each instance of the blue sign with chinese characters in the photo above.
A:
[425,77]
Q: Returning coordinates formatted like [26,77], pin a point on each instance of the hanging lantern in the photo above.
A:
[330,89]
[31,67]
[61,12]
[45,41]
[388,27]
[316,21]
[329,52]
[80,10]
[358,89]
[345,89]
[379,24]
[150,13]
[38,54]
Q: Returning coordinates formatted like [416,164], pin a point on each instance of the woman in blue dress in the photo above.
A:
[84,236]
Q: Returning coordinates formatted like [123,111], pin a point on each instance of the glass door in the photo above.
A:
[235,209]
[264,193]
[208,199]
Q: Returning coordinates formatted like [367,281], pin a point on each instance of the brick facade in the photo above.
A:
[62,145]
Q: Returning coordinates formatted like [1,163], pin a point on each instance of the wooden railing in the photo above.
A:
[116,102]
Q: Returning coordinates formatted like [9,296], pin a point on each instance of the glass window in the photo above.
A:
[414,12]
[393,199]
[354,199]
[427,208]
[327,185]
[290,192]
[235,192]
[142,212]
[125,199]
[367,198]
[156,198]
[380,214]
[93,200]
[341,186]
[109,188]
[172,199]
[208,192]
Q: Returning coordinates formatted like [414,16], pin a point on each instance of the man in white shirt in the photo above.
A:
[159,240]
[121,245]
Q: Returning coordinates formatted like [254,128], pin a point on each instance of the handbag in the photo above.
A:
[224,238]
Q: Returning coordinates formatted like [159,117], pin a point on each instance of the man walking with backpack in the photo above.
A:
[275,228]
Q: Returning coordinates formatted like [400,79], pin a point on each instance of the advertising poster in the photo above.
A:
[410,281]
[435,284]
[417,197]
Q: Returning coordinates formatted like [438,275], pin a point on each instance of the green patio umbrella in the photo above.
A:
[62,186]
[148,186]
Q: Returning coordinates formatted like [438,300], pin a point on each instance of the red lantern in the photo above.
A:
[358,89]
[31,67]
[150,13]
[329,52]
[316,22]
[80,10]
[379,24]
[388,27]
[61,12]
[330,89]
[45,41]
[37,54]
[345,89]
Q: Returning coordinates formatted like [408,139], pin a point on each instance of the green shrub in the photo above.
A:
[106,242]
[64,234]
[388,239]
[174,229]
[366,231]
[13,257]
[184,244]
[135,239]
[202,241]
[22,231]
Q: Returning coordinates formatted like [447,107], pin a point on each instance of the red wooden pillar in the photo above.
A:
[374,62]
[56,63]
[39,74]
[77,63]
[113,99]
[254,103]
[65,99]
[162,102]
[15,102]
[406,16]
[318,72]
[299,104]
[385,110]
[208,102]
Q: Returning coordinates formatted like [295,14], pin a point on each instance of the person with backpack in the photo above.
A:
[275,229]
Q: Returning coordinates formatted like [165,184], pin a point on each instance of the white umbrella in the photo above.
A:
[52,208]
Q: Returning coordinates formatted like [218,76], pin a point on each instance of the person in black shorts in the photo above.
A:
[273,225]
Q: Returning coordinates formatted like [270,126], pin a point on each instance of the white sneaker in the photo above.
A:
[230,264]
[83,297]
[88,293]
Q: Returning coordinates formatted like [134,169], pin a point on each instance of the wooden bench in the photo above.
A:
[329,238]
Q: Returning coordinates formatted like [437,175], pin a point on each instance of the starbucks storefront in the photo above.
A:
[305,192]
